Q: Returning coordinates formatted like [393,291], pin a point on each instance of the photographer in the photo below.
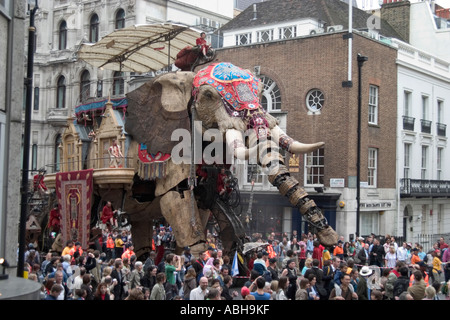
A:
[172,267]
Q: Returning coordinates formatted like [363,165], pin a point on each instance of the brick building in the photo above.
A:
[304,77]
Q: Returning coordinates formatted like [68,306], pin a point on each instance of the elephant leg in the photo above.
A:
[279,176]
[184,218]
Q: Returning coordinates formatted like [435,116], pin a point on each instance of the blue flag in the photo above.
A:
[234,267]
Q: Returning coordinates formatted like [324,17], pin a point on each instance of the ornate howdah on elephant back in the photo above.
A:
[239,91]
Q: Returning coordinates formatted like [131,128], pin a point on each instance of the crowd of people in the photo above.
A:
[285,268]
[371,268]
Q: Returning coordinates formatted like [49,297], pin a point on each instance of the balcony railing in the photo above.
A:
[97,163]
[424,188]
[425,126]
[440,129]
[408,123]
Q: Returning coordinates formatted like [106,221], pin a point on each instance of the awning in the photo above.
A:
[139,48]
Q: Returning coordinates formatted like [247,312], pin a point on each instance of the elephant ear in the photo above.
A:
[156,109]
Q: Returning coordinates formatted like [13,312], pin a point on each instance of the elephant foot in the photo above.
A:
[327,237]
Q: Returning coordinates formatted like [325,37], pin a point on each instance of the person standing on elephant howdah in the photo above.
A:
[115,155]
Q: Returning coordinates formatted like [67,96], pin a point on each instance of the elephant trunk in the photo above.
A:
[272,162]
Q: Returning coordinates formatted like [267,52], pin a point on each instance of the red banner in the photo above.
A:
[74,192]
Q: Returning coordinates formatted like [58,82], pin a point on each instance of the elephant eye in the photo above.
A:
[208,94]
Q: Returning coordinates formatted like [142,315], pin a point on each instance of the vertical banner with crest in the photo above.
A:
[74,192]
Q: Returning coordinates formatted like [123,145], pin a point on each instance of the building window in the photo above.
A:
[99,88]
[271,95]
[243,39]
[118,83]
[440,154]
[61,93]
[373,105]
[120,19]
[424,163]
[315,100]
[58,141]
[62,35]
[369,222]
[440,111]
[94,29]
[6,7]
[372,167]
[314,167]
[34,152]
[406,160]
[265,35]
[36,98]
[85,86]
[407,103]
[254,173]
[288,32]
[424,107]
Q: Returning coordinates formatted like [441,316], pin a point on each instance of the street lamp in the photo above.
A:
[361,59]
[32,8]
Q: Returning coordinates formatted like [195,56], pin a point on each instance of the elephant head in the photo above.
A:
[225,97]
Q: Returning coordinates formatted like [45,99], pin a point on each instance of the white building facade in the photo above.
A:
[61,82]
[422,144]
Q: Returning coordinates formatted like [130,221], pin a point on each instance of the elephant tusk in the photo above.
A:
[293,146]
[236,143]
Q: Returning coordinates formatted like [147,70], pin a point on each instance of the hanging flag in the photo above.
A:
[234,267]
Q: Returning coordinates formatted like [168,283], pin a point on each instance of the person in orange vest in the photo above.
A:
[209,253]
[422,267]
[76,248]
[128,252]
[339,250]
[75,252]
[270,252]
[110,250]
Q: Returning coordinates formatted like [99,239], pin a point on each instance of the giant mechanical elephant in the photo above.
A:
[227,98]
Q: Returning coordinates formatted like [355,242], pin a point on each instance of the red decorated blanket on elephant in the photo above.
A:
[151,166]
[239,91]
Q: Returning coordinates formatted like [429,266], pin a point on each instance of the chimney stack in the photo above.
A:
[397,14]
[255,14]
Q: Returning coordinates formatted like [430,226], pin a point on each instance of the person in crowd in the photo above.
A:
[345,291]
[102,292]
[302,293]
[260,294]
[363,290]
[190,282]
[417,289]
[158,291]
[201,291]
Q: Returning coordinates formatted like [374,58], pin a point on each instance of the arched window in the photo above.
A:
[118,83]
[120,19]
[61,93]
[85,86]
[62,35]
[94,29]
[271,96]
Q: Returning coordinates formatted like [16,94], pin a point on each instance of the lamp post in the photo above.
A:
[32,8]
[361,59]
